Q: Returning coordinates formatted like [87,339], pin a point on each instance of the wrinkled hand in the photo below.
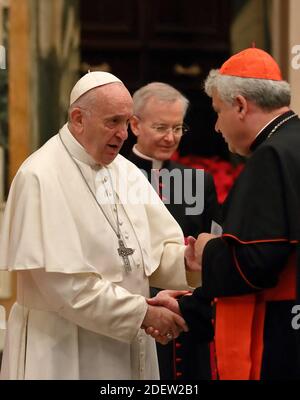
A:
[162,322]
[168,299]
[192,261]
[200,243]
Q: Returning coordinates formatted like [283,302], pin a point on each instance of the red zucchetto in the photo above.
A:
[252,63]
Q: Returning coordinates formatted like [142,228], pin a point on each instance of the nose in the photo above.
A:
[123,132]
[217,129]
[169,136]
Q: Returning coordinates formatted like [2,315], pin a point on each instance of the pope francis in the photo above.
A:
[87,234]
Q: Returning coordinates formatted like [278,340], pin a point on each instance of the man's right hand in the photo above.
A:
[163,324]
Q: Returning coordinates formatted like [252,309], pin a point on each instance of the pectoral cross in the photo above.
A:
[124,252]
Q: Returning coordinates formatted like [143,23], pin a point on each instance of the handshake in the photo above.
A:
[163,319]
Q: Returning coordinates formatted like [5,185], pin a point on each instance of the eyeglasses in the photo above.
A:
[163,130]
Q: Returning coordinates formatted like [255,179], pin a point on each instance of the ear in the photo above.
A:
[134,125]
[76,118]
[241,105]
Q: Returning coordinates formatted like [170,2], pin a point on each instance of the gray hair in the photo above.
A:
[159,90]
[265,93]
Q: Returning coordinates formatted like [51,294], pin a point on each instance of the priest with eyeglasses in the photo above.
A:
[189,194]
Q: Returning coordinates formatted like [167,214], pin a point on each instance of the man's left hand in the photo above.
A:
[200,243]
[191,260]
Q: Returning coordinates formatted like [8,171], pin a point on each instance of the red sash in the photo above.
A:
[240,327]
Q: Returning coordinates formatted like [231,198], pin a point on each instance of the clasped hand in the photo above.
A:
[163,320]
[194,251]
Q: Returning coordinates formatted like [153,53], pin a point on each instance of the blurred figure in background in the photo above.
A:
[158,124]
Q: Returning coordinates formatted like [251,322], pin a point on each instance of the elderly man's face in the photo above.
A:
[105,125]
[156,128]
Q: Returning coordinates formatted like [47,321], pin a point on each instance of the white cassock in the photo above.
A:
[78,312]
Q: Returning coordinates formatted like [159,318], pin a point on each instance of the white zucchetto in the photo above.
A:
[90,81]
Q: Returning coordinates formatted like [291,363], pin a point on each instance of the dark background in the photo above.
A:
[172,41]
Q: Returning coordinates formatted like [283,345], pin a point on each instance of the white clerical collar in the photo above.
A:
[156,164]
[264,127]
[76,149]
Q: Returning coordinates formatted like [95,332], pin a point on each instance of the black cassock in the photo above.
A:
[186,357]
[261,234]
